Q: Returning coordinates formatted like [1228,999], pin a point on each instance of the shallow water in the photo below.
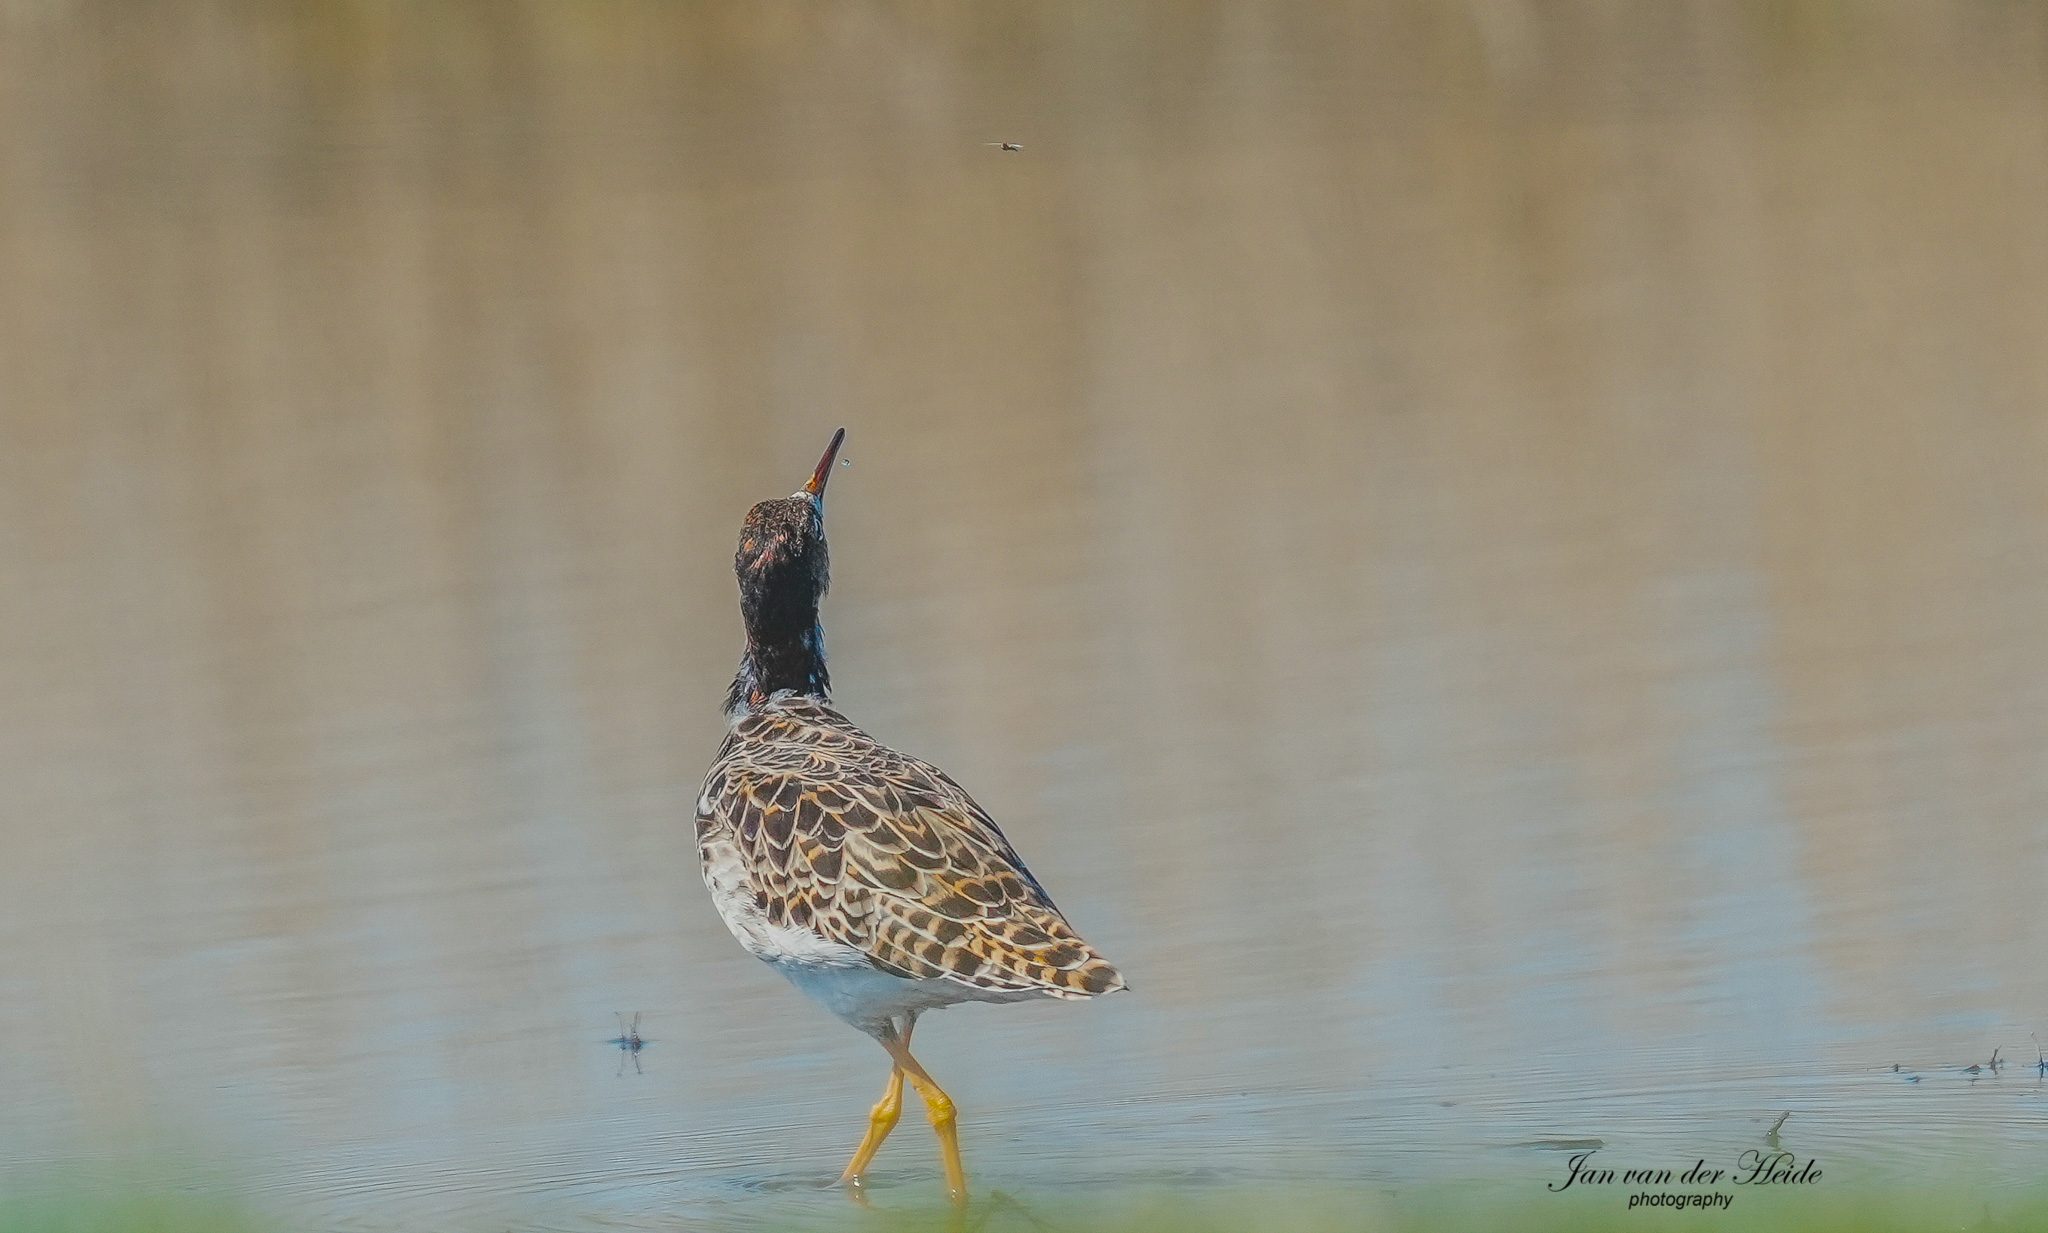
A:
[1489,557]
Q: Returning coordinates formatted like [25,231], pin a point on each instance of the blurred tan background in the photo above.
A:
[1447,533]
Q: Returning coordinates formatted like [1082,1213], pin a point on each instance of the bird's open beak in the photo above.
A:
[824,472]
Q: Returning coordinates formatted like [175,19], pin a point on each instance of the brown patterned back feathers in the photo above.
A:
[882,852]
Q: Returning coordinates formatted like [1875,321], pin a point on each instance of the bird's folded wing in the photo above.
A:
[903,865]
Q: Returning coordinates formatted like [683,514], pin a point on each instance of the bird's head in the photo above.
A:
[782,563]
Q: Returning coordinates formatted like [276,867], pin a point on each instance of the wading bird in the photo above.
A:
[867,877]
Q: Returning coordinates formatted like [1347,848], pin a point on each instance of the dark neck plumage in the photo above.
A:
[781,654]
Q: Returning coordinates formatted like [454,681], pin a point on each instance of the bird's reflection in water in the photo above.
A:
[976,1215]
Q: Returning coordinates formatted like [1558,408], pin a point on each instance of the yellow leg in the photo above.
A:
[939,1107]
[881,1119]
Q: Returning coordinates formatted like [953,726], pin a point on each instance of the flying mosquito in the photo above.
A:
[629,1043]
[1012,146]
